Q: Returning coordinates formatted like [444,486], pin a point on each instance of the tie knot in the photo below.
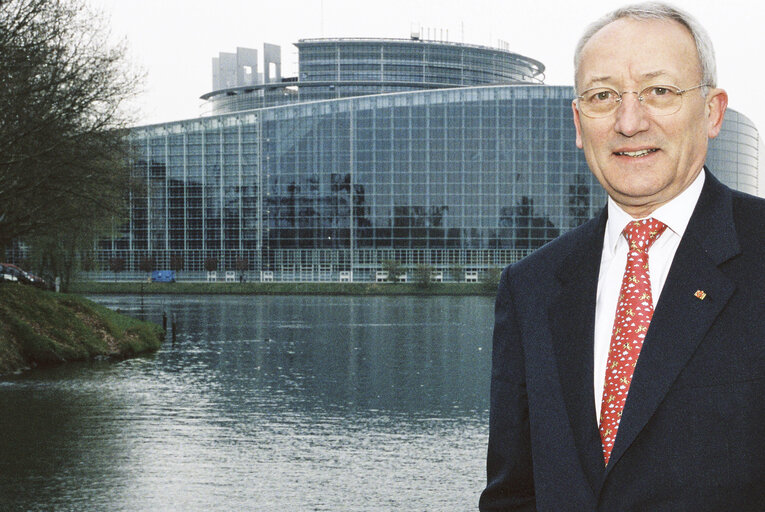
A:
[642,233]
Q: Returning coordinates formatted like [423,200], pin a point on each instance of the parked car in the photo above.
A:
[7,275]
[41,283]
[18,274]
[11,272]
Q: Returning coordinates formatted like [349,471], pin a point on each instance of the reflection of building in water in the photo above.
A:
[422,152]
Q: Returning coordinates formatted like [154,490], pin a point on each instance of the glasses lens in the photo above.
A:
[662,99]
[598,102]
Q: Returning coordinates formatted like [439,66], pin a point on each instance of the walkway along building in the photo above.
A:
[420,152]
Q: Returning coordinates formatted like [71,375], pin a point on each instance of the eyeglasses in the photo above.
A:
[659,100]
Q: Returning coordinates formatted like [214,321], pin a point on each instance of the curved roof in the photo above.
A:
[332,68]
[353,40]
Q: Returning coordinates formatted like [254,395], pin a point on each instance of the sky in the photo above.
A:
[173,41]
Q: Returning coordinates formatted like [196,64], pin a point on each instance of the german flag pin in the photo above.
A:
[700,294]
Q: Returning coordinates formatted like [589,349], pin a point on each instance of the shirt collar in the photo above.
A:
[675,214]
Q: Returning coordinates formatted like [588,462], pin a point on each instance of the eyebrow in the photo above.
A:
[655,74]
[644,76]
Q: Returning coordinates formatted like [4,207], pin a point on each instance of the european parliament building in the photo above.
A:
[427,153]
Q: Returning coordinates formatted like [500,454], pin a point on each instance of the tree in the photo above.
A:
[578,199]
[88,262]
[176,262]
[146,264]
[423,276]
[457,272]
[63,150]
[241,265]
[490,281]
[116,265]
[393,269]
[211,264]
[532,231]
[56,254]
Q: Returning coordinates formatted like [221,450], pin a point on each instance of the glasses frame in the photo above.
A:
[640,94]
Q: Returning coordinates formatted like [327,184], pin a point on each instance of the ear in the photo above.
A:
[717,102]
[578,125]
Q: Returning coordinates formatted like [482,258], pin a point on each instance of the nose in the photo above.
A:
[631,116]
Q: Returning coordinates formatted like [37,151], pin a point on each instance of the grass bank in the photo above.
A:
[39,328]
[286,288]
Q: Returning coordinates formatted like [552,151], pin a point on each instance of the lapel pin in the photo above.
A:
[700,294]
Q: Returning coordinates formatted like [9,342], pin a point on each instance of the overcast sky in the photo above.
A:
[175,40]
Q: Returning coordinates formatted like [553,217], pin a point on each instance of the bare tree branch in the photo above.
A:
[63,150]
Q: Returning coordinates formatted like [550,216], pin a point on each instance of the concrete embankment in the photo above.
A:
[39,328]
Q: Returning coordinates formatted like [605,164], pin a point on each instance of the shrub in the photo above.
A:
[211,264]
[490,280]
[422,276]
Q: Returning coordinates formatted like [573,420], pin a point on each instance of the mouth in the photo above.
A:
[636,154]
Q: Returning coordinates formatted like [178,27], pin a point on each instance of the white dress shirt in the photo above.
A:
[675,214]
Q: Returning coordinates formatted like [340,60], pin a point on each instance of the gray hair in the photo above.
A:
[658,11]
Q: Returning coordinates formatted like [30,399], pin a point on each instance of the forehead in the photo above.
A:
[630,50]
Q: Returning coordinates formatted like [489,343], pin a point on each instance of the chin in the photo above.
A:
[631,192]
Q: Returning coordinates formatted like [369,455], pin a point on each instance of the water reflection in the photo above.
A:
[263,403]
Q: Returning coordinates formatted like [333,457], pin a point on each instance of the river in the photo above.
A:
[287,403]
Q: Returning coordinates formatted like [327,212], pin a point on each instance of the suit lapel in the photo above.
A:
[681,319]
[572,321]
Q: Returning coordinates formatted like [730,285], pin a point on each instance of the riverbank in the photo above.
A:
[40,328]
[257,288]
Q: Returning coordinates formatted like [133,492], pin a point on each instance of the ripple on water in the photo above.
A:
[263,403]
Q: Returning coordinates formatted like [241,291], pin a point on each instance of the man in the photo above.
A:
[628,370]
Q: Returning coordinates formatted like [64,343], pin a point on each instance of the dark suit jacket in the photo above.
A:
[692,434]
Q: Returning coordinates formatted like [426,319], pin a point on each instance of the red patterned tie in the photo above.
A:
[633,314]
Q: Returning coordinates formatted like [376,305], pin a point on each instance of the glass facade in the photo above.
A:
[460,179]
[734,154]
[471,177]
[353,67]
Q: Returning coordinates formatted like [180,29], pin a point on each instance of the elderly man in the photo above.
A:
[628,369]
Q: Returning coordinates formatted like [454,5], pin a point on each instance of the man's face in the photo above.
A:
[645,160]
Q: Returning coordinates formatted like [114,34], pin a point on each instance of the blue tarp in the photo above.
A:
[163,276]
